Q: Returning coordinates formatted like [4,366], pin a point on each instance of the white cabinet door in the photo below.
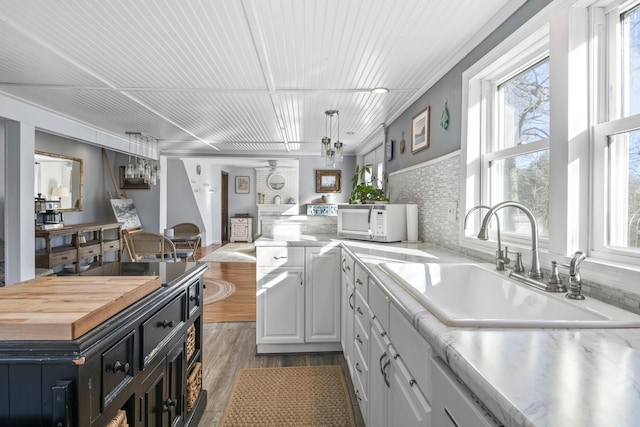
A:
[322,299]
[280,306]
[349,320]
[378,377]
[407,405]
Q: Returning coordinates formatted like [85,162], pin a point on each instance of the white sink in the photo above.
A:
[473,296]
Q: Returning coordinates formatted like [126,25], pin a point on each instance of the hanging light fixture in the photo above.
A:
[141,165]
[331,153]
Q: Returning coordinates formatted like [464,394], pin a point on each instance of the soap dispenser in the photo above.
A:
[277,200]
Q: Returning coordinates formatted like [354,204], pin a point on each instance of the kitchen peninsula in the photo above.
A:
[120,342]
[540,377]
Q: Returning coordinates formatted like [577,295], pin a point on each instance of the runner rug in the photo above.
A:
[291,396]
[233,252]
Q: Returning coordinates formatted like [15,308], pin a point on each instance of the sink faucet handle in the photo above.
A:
[519,266]
[555,278]
[505,258]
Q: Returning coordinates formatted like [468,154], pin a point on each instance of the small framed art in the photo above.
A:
[242,184]
[328,181]
[420,131]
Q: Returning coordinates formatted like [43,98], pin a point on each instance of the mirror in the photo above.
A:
[275,181]
[59,178]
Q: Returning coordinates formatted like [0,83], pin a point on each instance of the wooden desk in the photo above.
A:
[101,237]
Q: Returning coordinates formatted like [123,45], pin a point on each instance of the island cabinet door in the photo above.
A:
[322,294]
[280,306]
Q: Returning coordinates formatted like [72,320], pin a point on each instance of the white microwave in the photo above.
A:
[378,223]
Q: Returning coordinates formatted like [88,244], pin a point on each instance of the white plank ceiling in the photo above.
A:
[248,77]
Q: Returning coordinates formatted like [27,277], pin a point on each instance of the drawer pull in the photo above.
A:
[359,310]
[358,367]
[280,257]
[358,394]
[119,367]
[194,298]
[167,323]
[168,404]
[383,368]
[359,282]
[351,305]
[358,338]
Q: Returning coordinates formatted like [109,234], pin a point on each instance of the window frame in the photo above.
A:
[480,105]
[610,121]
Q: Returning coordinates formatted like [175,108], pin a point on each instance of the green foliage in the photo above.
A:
[364,190]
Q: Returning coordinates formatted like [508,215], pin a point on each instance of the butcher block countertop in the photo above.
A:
[65,308]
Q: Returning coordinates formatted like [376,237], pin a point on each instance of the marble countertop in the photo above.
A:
[526,377]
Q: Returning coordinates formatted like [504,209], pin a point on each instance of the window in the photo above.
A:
[508,129]
[617,138]
[518,167]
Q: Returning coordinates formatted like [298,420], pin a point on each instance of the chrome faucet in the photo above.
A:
[575,281]
[501,257]
[535,271]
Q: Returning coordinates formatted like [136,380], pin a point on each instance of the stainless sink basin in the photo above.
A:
[474,296]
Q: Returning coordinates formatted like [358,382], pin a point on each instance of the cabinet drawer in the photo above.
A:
[194,297]
[379,304]
[348,266]
[239,221]
[89,251]
[278,256]
[361,282]
[413,348]
[361,339]
[117,367]
[110,245]
[161,326]
[63,257]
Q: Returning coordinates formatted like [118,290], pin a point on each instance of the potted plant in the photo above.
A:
[367,191]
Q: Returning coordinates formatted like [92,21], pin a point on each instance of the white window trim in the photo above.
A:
[526,47]
[529,44]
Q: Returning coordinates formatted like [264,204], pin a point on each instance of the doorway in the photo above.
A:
[224,207]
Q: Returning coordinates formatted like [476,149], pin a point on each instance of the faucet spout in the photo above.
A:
[535,271]
[486,232]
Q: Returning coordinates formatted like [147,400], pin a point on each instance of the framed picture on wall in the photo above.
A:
[132,183]
[327,181]
[420,131]
[242,184]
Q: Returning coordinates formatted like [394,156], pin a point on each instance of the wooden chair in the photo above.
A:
[147,246]
[186,247]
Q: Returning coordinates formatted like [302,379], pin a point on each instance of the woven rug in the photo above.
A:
[291,396]
[217,289]
[233,252]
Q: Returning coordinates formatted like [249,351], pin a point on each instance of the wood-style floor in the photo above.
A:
[241,305]
[229,346]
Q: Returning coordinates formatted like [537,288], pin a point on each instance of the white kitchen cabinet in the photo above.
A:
[298,299]
[347,306]
[378,379]
[280,306]
[322,294]
[407,405]
[453,403]
[387,391]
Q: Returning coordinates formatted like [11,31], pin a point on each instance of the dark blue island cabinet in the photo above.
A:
[72,360]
